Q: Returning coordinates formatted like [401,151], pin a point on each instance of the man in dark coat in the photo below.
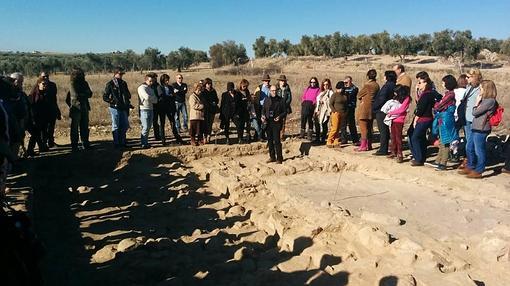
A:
[228,109]
[53,110]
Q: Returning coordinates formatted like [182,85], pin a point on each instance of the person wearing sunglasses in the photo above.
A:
[273,111]
[308,101]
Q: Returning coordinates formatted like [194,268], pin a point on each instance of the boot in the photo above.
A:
[363,146]
[369,144]
[463,164]
[309,135]
[302,134]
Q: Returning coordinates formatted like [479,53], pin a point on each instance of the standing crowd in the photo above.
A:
[330,115]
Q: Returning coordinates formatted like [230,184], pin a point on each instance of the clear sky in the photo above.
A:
[109,25]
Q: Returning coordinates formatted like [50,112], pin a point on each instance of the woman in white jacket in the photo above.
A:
[147,99]
[322,112]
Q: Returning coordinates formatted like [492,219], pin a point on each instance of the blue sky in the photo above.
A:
[104,26]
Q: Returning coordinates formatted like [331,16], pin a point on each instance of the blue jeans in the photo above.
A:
[255,125]
[181,108]
[475,152]
[419,141]
[146,119]
[467,131]
[120,125]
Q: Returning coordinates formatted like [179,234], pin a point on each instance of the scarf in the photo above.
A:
[447,101]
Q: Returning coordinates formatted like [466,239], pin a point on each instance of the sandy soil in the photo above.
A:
[219,215]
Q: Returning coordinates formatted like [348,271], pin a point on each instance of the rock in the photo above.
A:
[294,264]
[258,237]
[221,215]
[83,189]
[196,232]
[381,218]
[201,274]
[127,244]
[374,239]
[105,254]
[236,210]
[239,254]
[493,249]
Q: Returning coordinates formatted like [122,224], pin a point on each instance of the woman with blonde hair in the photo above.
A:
[196,116]
[485,105]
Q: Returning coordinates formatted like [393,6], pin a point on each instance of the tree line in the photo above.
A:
[447,43]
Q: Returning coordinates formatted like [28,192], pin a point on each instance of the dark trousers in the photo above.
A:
[507,158]
[307,110]
[273,140]
[208,122]
[419,141]
[242,124]
[350,121]
[167,113]
[155,123]
[79,121]
[384,132]
[36,131]
[321,136]
[50,131]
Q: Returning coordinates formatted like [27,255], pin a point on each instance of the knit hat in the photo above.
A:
[230,86]
[340,85]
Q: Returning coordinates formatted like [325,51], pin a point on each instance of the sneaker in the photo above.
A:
[271,160]
[505,171]
[440,167]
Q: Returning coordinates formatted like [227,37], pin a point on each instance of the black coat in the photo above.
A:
[180,94]
[210,100]
[166,99]
[54,111]
[384,94]
[118,97]
[274,107]
[242,104]
[228,105]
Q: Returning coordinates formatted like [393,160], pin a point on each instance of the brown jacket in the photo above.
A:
[365,99]
[196,107]
[405,80]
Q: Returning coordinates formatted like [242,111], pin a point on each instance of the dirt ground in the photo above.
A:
[219,215]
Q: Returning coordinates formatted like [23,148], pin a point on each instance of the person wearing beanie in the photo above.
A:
[337,104]
[228,109]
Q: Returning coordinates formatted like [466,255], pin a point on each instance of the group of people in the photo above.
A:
[328,111]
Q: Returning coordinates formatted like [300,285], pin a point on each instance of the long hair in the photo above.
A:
[163,79]
[326,81]
[489,89]
[401,92]
[423,75]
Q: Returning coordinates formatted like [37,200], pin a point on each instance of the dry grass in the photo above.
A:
[297,70]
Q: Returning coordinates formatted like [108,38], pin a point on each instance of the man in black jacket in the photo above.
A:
[53,112]
[117,94]
[352,96]
[180,90]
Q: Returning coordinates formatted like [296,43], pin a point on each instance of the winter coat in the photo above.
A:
[365,97]
[228,105]
[481,114]
[242,104]
[286,95]
[53,110]
[382,96]
[117,96]
[444,125]
[210,100]
[274,107]
[180,92]
[196,107]
[78,95]
[323,109]
[166,98]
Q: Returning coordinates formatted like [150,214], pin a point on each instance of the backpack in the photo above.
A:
[496,117]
